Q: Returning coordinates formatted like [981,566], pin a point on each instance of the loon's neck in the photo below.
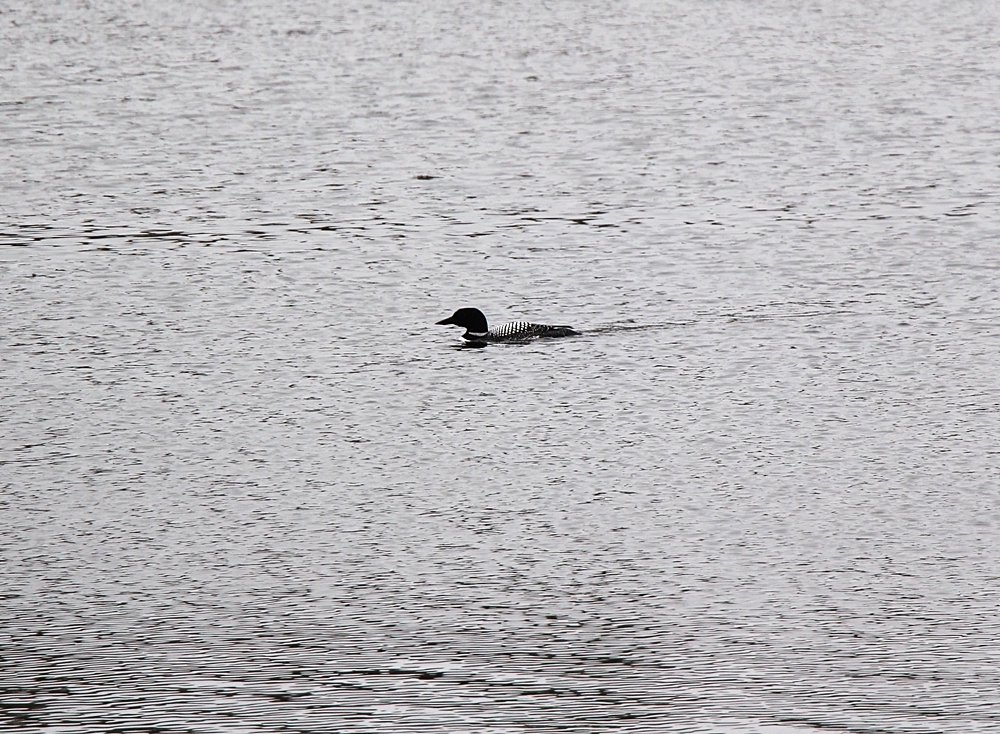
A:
[475,336]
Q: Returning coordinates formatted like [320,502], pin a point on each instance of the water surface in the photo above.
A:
[248,485]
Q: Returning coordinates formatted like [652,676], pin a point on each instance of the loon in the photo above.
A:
[478,331]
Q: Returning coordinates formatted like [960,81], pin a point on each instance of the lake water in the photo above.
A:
[247,485]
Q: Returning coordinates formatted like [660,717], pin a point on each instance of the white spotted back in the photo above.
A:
[517,330]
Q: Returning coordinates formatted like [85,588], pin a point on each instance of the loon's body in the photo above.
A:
[478,331]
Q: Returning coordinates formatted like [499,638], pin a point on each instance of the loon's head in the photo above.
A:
[471,319]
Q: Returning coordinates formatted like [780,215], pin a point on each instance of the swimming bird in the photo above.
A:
[478,331]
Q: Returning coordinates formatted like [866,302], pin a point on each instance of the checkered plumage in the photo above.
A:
[517,330]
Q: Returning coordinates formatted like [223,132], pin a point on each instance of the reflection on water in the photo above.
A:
[247,484]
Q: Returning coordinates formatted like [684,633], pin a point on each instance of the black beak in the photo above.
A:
[446,321]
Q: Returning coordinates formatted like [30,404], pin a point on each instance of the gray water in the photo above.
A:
[247,484]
